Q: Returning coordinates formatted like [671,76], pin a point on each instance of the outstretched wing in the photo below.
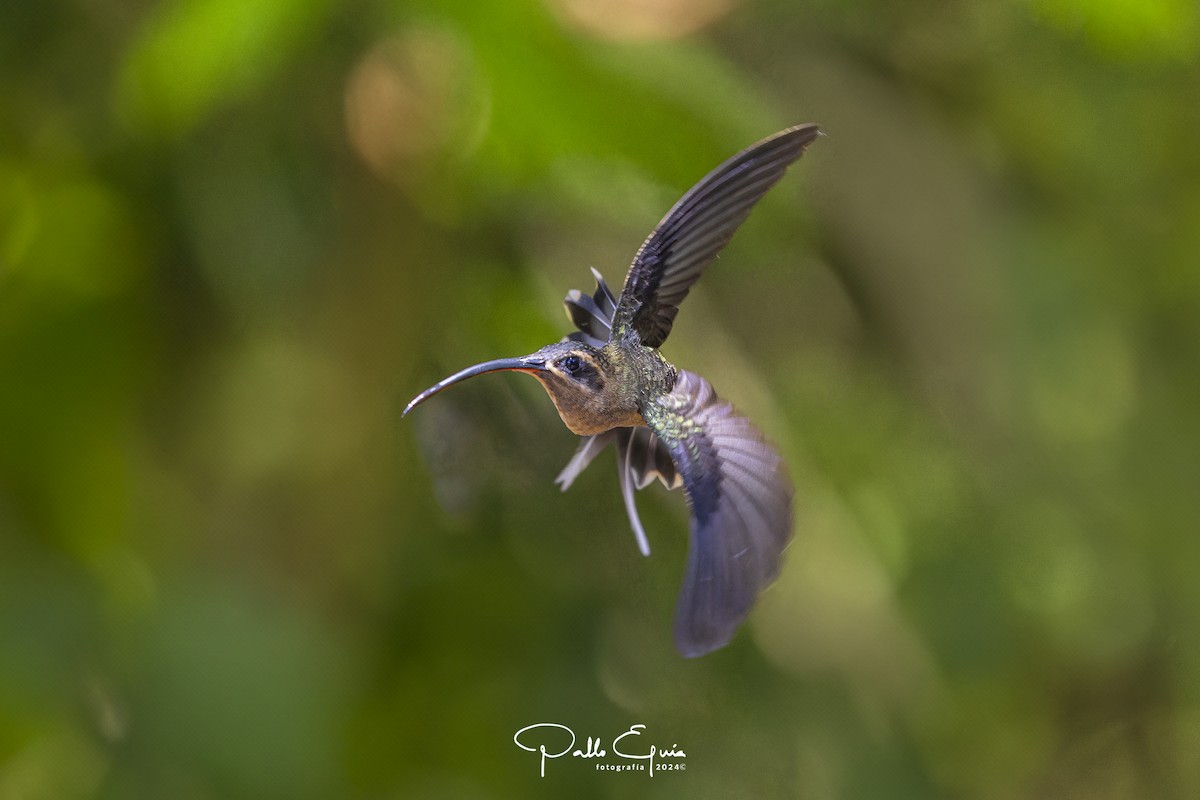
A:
[740,498]
[695,230]
[641,457]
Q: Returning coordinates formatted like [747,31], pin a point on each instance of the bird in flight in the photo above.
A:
[611,384]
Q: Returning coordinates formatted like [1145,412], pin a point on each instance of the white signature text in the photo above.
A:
[551,740]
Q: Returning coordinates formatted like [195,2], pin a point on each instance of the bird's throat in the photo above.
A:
[590,413]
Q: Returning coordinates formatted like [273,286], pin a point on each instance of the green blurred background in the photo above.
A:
[236,237]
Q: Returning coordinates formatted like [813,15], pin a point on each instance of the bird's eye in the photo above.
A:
[571,363]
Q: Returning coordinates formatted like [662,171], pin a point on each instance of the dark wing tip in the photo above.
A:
[697,227]
[803,134]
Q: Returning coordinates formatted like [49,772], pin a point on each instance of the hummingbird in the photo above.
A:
[610,384]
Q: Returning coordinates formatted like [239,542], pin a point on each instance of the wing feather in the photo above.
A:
[687,239]
[740,497]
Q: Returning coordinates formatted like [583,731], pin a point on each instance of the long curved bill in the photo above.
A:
[529,364]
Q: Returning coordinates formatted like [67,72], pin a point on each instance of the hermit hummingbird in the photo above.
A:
[610,383]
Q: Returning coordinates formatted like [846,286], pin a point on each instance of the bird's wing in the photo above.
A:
[591,314]
[740,498]
[695,230]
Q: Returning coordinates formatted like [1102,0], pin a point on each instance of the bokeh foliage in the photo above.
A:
[236,237]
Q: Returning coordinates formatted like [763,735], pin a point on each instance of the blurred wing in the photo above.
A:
[695,230]
[740,497]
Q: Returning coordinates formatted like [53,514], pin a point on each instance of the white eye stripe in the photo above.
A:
[581,360]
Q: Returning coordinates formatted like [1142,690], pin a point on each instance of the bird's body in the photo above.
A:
[610,383]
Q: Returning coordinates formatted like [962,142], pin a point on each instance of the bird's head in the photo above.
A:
[578,377]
